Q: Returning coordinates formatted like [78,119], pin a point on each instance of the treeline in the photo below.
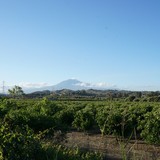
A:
[143,96]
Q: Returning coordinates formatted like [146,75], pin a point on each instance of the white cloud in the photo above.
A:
[83,84]
[143,88]
[103,84]
[74,78]
[32,85]
[100,85]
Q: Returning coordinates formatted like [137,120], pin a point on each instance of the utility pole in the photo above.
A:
[3,87]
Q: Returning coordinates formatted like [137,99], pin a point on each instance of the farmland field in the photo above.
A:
[48,129]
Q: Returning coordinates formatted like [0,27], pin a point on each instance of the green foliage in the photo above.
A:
[5,106]
[84,119]
[150,126]
[126,118]
[24,120]
[58,152]
[64,118]
[16,91]
[1,154]
[18,143]
[36,120]
[109,120]
[38,116]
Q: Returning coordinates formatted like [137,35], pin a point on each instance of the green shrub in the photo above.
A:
[150,126]
[83,119]
[19,143]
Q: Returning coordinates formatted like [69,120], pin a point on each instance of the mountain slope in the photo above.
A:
[71,84]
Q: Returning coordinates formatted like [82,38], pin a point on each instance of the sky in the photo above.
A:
[43,42]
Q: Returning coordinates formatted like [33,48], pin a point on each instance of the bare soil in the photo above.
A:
[111,148]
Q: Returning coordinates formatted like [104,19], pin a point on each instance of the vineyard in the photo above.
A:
[33,129]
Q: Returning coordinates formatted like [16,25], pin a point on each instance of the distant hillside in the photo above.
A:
[92,94]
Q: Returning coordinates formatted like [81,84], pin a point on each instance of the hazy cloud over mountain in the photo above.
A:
[34,85]
[102,85]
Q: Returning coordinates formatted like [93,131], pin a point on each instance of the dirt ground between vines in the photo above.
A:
[111,148]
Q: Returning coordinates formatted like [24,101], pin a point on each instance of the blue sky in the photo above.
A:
[112,41]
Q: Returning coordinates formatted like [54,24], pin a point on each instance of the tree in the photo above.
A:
[16,91]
